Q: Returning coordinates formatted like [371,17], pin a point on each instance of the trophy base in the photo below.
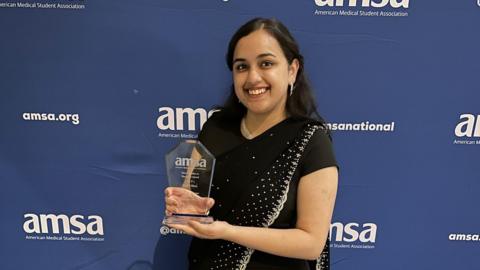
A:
[184,218]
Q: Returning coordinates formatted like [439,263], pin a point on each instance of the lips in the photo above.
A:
[257,91]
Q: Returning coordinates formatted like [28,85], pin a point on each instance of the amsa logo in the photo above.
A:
[469,126]
[179,119]
[364,3]
[187,162]
[353,232]
[62,224]
[463,237]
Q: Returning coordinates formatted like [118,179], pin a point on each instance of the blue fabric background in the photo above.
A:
[116,63]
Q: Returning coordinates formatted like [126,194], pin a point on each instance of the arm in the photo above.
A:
[315,202]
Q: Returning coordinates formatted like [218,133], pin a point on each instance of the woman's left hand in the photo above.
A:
[215,230]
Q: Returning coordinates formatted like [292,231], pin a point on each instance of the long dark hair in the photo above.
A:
[301,103]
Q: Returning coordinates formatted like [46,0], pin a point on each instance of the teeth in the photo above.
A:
[257,91]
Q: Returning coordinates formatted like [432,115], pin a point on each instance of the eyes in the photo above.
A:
[264,64]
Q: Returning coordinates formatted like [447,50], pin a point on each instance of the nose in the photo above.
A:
[253,78]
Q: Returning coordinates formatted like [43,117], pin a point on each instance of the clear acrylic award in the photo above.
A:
[190,166]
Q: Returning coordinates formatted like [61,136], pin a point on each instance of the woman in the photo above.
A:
[276,176]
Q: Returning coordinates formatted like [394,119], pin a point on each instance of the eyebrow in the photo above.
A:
[258,57]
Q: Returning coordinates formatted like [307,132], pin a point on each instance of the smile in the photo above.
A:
[257,91]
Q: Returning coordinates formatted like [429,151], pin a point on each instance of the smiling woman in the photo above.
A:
[261,76]
[276,175]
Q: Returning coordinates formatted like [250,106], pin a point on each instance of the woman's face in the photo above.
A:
[261,74]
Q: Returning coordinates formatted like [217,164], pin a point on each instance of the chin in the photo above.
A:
[259,111]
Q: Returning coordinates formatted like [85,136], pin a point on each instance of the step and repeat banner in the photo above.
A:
[93,94]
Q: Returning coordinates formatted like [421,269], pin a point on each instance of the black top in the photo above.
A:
[270,165]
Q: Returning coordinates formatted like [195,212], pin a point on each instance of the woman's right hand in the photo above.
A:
[184,201]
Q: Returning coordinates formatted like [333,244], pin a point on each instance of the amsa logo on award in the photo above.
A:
[353,235]
[62,227]
[190,163]
[181,122]
[364,8]
[467,130]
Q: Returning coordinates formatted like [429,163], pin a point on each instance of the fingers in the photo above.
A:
[180,200]
[177,191]
[206,204]
[171,201]
[209,202]
[200,230]
[171,206]
[205,231]
[171,209]
[196,226]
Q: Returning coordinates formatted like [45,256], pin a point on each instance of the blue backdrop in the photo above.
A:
[94,93]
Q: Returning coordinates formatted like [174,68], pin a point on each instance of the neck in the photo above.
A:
[257,124]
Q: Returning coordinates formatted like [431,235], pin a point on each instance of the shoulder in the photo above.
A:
[312,129]
[320,135]
[319,152]
[220,133]
[219,119]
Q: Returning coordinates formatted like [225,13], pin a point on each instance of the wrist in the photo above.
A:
[230,231]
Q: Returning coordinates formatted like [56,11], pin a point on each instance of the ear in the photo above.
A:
[293,70]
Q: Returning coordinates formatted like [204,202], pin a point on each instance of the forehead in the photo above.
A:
[256,43]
